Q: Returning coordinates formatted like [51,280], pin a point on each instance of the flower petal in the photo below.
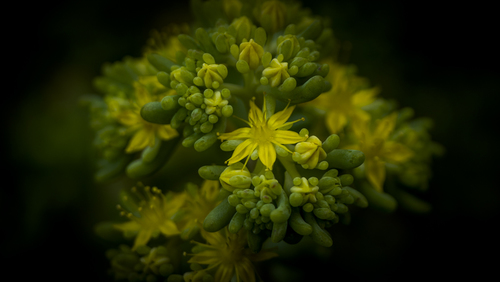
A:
[287,137]
[335,121]
[240,133]
[267,154]
[241,151]
[140,140]
[396,152]
[279,118]
[375,172]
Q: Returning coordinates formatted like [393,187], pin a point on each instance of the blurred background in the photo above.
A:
[438,59]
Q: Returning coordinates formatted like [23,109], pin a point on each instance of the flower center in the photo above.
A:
[262,133]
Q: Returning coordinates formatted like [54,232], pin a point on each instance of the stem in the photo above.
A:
[289,166]
[259,168]
[237,90]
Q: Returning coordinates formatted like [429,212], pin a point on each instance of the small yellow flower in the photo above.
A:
[378,148]
[262,135]
[277,72]
[226,253]
[252,53]
[151,214]
[346,98]
[128,113]
[198,206]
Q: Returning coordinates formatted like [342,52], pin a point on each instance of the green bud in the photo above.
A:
[318,234]
[221,43]
[260,36]
[160,63]
[163,78]
[331,143]
[236,222]
[298,224]
[264,80]
[242,178]
[170,102]
[209,59]
[150,153]
[346,179]
[345,159]
[235,51]
[213,118]
[288,85]
[242,66]
[266,59]
[308,207]
[206,127]
[278,231]
[306,70]
[230,145]
[296,199]
[312,31]
[227,110]
[196,98]
[266,209]
[211,172]
[188,42]
[219,217]
[154,113]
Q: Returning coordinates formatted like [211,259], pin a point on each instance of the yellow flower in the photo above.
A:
[251,52]
[277,72]
[262,135]
[151,214]
[197,206]
[128,113]
[226,253]
[344,101]
[378,148]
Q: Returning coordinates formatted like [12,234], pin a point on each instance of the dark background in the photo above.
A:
[439,59]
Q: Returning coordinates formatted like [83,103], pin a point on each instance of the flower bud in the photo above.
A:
[309,153]
[235,177]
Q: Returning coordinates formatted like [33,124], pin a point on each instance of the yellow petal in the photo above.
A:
[267,154]
[166,132]
[385,126]
[168,228]
[224,273]
[142,238]
[335,121]
[395,152]
[364,97]
[240,133]
[279,118]
[140,140]
[375,172]
[287,137]
[255,115]
[128,226]
[242,150]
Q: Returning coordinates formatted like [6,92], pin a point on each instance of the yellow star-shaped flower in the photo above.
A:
[378,148]
[262,135]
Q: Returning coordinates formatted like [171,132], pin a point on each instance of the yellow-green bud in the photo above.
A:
[309,153]
[210,74]
[251,52]
[235,177]
[273,16]
[276,72]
